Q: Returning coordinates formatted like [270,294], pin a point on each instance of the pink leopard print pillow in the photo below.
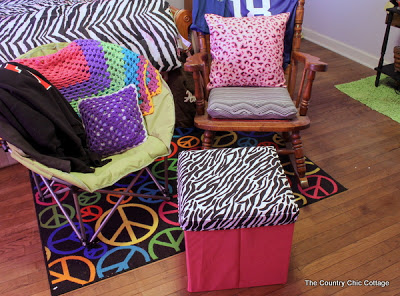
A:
[247,51]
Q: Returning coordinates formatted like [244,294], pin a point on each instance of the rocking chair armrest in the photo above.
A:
[196,62]
[311,62]
[312,65]
[197,65]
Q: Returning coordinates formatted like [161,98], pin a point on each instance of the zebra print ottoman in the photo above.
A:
[238,212]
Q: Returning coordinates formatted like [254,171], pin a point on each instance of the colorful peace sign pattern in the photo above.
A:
[143,230]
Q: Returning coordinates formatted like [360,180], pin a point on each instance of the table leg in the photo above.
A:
[383,50]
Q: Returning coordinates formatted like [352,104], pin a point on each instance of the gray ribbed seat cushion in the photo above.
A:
[251,103]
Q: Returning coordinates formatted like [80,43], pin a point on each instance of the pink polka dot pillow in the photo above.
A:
[247,51]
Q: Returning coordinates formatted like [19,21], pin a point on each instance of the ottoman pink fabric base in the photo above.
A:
[238,258]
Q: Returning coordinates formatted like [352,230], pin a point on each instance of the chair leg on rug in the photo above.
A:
[163,190]
[166,189]
[71,223]
[114,208]
[34,177]
[79,215]
[74,190]
[104,222]
[208,139]
[121,198]
[298,159]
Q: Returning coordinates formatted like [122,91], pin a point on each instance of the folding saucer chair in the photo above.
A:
[159,125]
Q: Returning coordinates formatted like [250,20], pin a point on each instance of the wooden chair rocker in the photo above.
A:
[240,85]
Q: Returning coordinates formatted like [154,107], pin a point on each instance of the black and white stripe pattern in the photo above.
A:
[233,188]
[15,7]
[145,27]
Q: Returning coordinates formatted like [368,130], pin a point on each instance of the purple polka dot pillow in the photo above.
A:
[247,51]
[113,123]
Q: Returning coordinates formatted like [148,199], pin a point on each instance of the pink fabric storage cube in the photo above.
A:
[238,258]
[238,212]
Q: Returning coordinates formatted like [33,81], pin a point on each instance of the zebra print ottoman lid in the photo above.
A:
[233,188]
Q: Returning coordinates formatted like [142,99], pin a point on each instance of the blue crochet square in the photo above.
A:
[113,123]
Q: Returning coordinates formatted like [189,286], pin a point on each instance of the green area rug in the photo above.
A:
[385,98]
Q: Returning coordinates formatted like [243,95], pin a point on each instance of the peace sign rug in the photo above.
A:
[142,230]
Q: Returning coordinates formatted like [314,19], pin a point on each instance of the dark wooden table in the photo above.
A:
[387,69]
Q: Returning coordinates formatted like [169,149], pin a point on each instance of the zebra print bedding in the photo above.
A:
[145,27]
[12,7]
[233,188]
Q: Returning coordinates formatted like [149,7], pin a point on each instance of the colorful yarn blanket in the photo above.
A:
[89,68]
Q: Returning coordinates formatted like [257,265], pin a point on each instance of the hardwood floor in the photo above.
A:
[352,236]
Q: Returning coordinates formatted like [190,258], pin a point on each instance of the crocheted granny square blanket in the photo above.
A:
[89,68]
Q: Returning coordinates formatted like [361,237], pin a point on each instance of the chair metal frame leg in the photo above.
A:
[80,233]
[37,184]
[79,215]
[114,208]
[54,195]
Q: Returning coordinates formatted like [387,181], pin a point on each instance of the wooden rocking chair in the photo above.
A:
[200,64]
